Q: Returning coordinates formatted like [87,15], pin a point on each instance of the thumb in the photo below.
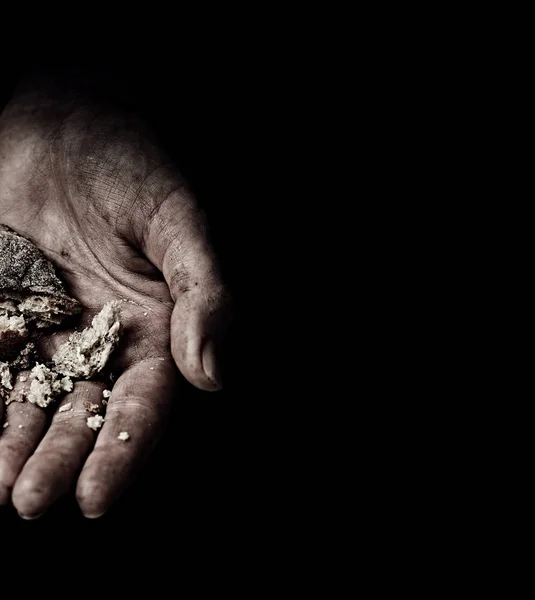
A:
[175,239]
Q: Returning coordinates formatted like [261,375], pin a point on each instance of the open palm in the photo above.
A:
[104,204]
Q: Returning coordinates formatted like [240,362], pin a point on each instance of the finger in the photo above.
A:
[51,471]
[26,425]
[173,235]
[139,405]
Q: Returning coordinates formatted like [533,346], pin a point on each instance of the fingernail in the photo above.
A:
[210,363]
[33,517]
[97,516]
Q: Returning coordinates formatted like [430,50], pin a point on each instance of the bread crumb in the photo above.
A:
[106,393]
[67,384]
[95,422]
[6,424]
[65,407]
[123,436]
[5,376]
[26,358]
[94,408]
[145,314]
[23,378]
[21,426]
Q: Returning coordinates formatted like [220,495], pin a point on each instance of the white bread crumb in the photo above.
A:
[21,426]
[106,393]
[5,376]
[67,384]
[65,407]
[6,424]
[95,422]
[145,314]
[23,378]
[123,436]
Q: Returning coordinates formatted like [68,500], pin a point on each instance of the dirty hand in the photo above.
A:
[89,188]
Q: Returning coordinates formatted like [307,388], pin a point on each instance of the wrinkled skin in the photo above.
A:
[105,206]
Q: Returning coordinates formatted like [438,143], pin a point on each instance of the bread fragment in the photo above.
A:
[13,335]
[6,378]
[9,307]
[95,422]
[86,352]
[31,295]
[47,386]
[25,359]
[28,280]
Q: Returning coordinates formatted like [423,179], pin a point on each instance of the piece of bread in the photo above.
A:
[9,307]
[28,280]
[6,378]
[47,385]
[86,352]
[95,422]
[13,335]
[26,358]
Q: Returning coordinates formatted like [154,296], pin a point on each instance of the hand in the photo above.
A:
[104,204]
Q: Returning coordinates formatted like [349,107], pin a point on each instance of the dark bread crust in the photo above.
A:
[29,288]
[11,343]
[26,272]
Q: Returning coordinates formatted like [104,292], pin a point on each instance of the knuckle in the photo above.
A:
[56,456]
